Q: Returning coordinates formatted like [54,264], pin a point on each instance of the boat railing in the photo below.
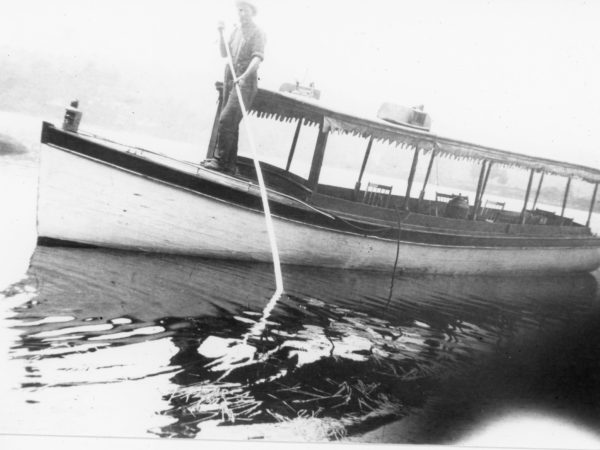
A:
[339,201]
[551,218]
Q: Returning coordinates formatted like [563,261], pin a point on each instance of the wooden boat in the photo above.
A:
[96,192]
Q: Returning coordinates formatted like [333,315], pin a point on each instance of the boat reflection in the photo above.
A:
[341,353]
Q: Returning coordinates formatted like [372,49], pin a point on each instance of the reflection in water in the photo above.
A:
[339,356]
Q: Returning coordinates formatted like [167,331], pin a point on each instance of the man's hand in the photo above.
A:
[240,80]
[221,26]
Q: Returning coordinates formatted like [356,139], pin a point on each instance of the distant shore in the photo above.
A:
[10,146]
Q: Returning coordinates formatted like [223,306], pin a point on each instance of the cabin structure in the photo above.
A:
[424,145]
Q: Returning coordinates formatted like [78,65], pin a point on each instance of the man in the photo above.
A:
[246,45]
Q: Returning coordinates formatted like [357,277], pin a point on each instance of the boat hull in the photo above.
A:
[89,201]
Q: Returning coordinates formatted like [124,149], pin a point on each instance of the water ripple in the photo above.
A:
[340,353]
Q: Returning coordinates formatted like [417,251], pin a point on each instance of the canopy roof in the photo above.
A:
[287,107]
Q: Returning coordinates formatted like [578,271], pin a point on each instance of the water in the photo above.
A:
[111,343]
[148,339]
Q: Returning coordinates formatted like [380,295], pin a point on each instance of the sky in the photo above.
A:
[518,75]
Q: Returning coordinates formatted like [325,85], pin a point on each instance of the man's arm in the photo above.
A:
[221,27]
[252,68]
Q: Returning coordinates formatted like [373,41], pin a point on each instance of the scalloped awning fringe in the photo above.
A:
[286,107]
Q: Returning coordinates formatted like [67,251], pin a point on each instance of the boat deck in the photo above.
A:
[420,213]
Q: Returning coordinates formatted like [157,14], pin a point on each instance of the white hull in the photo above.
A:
[85,201]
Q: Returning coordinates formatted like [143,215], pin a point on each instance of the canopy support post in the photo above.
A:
[429,167]
[564,205]
[529,183]
[485,181]
[479,185]
[293,147]
[537,193]
[483,186]
[214,135]
[589,219]
[362,169]
[411,178]
[317,161]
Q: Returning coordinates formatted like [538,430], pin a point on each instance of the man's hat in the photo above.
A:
[251,5]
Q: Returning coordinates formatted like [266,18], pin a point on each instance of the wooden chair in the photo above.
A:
[491,213]
[377,195]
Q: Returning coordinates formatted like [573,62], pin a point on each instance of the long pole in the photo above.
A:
[263,193]
[243,354]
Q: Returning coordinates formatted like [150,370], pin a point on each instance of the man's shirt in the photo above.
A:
[246,43]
